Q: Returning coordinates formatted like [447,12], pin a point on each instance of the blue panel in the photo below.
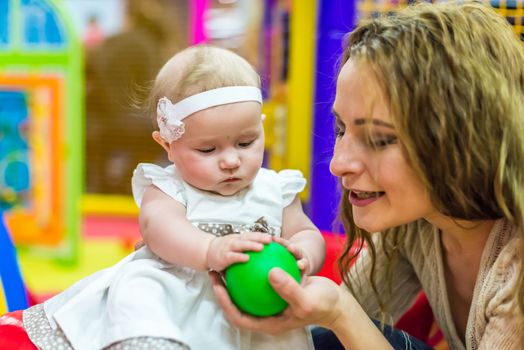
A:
[10,277]
[4,22]
[336,18]
[41,26]
[14,149]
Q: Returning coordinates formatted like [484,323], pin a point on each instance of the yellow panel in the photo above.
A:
[43,276]
[109,205]
[3,303]
[301,82]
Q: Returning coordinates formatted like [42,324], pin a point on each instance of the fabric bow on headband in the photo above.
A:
[170,116]
[171,128]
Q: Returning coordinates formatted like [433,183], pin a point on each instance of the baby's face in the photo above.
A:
[222,148]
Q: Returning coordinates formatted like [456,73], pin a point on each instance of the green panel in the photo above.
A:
[65,59]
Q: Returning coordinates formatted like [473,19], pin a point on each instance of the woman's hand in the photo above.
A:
[226,250]
[317,300]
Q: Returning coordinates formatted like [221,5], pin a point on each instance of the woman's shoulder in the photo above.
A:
[505,253]
[495,307]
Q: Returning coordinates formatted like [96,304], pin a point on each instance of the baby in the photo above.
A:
[203,212]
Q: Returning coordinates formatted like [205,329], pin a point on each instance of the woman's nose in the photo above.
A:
[230,159]
[346,160]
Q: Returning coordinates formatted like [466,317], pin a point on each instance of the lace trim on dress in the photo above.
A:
[260,225]
[45,337]
[40,331]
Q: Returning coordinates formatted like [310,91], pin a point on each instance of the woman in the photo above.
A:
[430,153]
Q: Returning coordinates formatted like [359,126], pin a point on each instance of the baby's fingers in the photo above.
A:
[303,266]
[234,257]
[281,241]
[243,245]
[297,252]
[256,237]
[228,259]
[293,249]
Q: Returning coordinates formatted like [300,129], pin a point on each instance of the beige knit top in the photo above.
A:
[494,321]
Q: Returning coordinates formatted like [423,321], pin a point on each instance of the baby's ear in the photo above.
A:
[158,139]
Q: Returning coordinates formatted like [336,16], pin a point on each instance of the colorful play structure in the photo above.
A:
[41,97]
[41,118]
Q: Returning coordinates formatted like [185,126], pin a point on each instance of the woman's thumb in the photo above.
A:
[285,285]
[277,277]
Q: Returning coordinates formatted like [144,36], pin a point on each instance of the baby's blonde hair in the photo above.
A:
[197,69]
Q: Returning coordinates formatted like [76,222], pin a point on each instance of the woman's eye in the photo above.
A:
[206,150]
[383,141]
[339,130]
[245,144]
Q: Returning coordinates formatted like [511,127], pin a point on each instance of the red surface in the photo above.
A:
[12,332]
[124,227]
[334,245]
[423,315]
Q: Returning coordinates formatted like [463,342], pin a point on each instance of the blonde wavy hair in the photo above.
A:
[454,78]
[197,69]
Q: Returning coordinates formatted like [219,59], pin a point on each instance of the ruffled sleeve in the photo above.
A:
[166,179]
[291,183]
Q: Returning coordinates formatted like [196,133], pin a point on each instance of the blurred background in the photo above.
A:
[72,73]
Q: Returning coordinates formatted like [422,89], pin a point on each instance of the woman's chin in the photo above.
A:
[369,225]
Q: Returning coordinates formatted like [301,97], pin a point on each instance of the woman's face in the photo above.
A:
[384,191]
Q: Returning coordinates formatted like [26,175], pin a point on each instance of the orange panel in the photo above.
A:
[42,222]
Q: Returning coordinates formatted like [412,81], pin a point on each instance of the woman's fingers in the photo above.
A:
[289,290]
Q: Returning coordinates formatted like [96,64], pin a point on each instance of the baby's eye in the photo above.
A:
[245,144]
[206,150]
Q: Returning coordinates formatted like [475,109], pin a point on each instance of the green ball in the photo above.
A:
[248,284]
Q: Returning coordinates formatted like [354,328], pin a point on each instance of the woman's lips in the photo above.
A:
[362,199]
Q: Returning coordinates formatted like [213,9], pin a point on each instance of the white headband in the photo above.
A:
[170,116]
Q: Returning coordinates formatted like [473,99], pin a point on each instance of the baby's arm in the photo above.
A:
[167,232]
[304,239]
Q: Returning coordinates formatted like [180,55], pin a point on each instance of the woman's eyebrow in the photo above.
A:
[363,121]
[374,121]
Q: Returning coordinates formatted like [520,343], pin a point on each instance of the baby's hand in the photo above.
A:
[226,250]
[298,253]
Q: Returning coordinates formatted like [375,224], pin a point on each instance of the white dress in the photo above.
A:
[143,296]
